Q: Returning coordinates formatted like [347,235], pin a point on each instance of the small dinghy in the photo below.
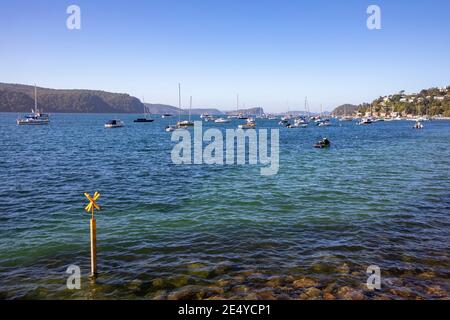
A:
[324,143]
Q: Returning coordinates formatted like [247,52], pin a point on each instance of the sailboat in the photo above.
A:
[346,117]
[146,114]
[36,117]
[240,116]
[173,127]
[186,123]
[418,124]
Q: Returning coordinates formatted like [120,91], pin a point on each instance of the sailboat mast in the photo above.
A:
[179,102]
[190,107]
[306,109]
[237,104]
[35,99]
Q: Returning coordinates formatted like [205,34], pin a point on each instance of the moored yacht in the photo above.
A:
[36,117]
[146,115]
[186,123]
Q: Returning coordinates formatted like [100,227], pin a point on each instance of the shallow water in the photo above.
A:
[379,196]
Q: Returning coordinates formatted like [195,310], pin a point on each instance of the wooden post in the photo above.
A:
[93,248]
[91,208]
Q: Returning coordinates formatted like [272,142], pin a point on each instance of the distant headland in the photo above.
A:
[20,98]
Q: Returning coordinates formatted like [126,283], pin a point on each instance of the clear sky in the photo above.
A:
[272,52]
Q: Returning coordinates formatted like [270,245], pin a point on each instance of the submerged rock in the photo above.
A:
[223,282]
[436,291]
[330,288]
[251,296]
[241,289]
[328,296]
[344,268]
[179,281]
[187,293]
[348,293]
[311,294]
[305,283]
[159,295]
[195,266]
[266,295]
[427,275]
[158,283]
[216,298]
[274,282]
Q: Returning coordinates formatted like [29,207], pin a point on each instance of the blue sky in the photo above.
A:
[273,53]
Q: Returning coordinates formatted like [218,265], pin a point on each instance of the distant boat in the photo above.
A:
[143,120]
[209,118]
[36,117]
[365,121]
[186,123]
[146,116]
[325,123]
[324,143]
[114,124]
[166,115]
[346,118]
[418,125]
[171,128]
[222,120]
[249,125]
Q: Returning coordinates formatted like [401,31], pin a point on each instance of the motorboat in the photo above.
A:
[249,125]
[114,124]
[365,121]
[171,128]
[324,124]
[324,143]
[222,120]
[209,119]
[185,123]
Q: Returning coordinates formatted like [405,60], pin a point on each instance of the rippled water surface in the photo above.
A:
[379,196]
